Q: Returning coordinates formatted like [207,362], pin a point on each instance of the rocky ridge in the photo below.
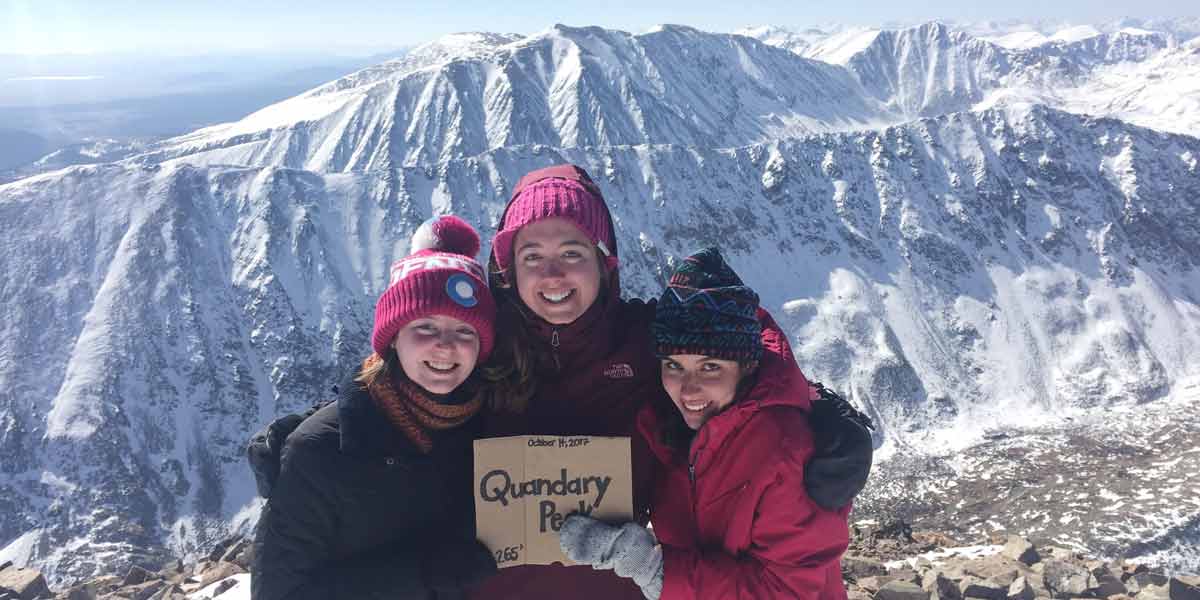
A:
[884,562]
[894,562]
[210,577]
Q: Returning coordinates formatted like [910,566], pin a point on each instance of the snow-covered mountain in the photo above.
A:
[968,270]
[1149,78]
[927,70]
[563,87]
[1027,34]
[812,41]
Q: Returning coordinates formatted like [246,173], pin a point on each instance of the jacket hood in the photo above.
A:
[577,175]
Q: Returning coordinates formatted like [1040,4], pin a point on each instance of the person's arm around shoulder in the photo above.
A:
[793,541]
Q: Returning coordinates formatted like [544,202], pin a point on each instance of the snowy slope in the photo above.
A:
[975,269]
[1161,92]
[1018,40]
[927,70]
[832,44]
[812,41]
[1095,48]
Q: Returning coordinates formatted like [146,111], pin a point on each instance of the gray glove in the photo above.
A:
[630,549]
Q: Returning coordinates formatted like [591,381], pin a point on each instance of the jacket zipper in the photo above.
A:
[693,455]
[554,344]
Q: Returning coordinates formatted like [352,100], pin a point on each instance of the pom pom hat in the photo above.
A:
[440,277]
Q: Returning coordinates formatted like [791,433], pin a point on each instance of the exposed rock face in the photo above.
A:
[1021,590]
[1020,549]
[1066,580]
[1185,587]
[25,584]
[939,586]
[901,590]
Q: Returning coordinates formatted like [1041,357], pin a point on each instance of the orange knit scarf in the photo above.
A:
[411,410]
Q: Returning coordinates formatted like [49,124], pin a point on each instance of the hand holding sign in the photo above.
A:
[528,485]
[629,549]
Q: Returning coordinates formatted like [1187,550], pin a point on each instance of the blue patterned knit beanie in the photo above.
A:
[707,310]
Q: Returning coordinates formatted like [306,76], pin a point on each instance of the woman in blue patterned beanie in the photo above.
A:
[730,515]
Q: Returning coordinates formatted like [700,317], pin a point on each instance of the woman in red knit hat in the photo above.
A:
[372,498]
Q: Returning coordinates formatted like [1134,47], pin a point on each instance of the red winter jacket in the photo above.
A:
[741,525]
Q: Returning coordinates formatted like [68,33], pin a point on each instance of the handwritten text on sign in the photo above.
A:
[527,485]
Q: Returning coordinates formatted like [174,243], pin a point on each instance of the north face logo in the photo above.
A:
[619,371]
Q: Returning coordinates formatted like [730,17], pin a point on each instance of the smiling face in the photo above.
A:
[700,386]
[437,352]
[557,270]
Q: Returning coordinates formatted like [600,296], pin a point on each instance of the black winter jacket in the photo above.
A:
[357,509]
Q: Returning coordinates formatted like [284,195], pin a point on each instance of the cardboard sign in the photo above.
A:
[526,485]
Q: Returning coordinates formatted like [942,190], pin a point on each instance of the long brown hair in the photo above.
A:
[510,377]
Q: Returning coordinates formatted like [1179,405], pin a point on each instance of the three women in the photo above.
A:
[574,358]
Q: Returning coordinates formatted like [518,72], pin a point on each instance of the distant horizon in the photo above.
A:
[352,51]
[365,27]
[80,79]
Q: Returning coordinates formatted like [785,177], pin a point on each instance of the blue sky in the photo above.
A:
[43,27]
[101,26]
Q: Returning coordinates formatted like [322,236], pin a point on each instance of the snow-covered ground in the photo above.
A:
[236,587]
[1111,482]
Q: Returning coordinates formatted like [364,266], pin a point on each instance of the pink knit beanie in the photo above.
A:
[440,277]
[560,191]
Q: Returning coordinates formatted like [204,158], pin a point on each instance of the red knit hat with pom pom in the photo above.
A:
[440,277]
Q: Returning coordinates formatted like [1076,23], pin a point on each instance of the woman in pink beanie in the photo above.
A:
[574,358]
[372,497]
